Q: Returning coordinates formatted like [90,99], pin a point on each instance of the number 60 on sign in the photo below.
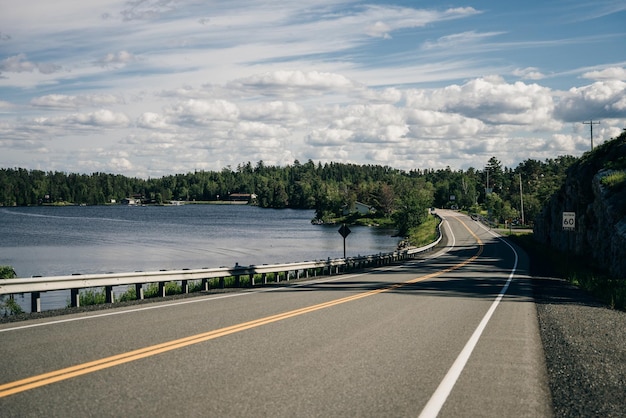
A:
[569,221]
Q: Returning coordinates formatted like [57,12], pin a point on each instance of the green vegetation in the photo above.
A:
[425,233]
[7,272]
[615,180]
[129,295]
[91,297]
[396,198]
[8,306]
[575,270]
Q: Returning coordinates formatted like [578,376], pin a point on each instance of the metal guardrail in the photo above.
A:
[36,285]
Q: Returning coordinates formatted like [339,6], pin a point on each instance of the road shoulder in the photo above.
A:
[584,344]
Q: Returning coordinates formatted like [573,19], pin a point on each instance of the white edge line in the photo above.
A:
[439,397]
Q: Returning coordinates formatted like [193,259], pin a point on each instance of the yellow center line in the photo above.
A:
[104,363]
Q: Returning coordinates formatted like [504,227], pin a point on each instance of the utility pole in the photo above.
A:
[591,123]
[521,198]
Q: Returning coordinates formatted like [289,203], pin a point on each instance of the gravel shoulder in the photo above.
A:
[585,348]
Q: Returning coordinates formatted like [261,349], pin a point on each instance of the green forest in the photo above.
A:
[328,188]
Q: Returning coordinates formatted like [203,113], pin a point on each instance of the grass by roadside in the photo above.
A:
[425,233]
[575,270]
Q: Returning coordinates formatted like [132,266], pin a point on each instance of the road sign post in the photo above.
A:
[344,231]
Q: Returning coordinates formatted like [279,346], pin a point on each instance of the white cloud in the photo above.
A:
[279,110]
[529,73]
[370,123]
[246,131]
[19,64]
[63,101]
[4,106]
[612,73]
[458,40]
[285,82]
[434,124]
[153,87]
[151,120]
[120,165]
[378,30]
[147,9]
[492,101]
[202,112]
[328,136]
[102,118]
[600,100]
[116,59]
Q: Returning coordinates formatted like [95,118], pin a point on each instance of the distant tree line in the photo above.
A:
[328,188]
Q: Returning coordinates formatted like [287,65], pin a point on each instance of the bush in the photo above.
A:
[171,288]
[130,294]
[7,272]
[92,297]
[9,306]
[615,180]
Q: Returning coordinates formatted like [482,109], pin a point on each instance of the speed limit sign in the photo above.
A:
[569,221]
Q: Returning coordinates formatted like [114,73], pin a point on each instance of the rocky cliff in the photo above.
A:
[595,189]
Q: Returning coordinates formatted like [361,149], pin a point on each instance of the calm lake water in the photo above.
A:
[52,241]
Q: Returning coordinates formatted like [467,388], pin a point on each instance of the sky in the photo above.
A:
[148,88]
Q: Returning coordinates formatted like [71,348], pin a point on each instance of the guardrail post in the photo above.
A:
[222,283]
[35,302]
[108,294]
[74,298]
[184,285]
[205,285]
[162,289]
[237,281]
[139,291]
[264,278]
[287,275]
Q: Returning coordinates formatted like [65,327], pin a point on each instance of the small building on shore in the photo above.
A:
[242,197]
[130,201]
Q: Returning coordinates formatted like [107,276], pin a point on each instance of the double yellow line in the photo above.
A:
[33,382]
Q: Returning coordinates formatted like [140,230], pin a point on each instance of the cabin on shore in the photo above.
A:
[130,201]
[242,198]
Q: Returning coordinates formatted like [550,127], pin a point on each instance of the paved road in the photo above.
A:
[452,334]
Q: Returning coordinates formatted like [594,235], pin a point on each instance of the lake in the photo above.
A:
[52,241]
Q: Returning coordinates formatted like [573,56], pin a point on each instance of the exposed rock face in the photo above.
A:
[600,209]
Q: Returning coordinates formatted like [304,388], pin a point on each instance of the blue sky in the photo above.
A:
[155,87]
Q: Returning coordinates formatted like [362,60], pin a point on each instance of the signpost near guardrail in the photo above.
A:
[569,221]
[344,231]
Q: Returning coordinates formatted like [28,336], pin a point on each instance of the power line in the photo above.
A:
[591,123]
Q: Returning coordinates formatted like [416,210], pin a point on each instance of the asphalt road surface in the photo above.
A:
[454,333]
